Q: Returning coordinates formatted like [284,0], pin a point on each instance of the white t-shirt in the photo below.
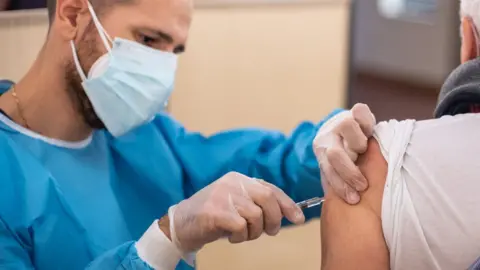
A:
[431,201]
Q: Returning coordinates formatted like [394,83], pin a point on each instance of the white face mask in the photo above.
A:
[128,85]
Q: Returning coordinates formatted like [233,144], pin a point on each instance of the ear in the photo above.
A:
[469,50]
[68,15]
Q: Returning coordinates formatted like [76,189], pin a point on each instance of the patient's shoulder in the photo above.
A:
[441,128]
[432,176]
[437,140]
[460,130]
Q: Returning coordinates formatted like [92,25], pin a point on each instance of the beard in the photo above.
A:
[88,52]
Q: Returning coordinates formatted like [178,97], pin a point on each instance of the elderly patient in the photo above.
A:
[422,210]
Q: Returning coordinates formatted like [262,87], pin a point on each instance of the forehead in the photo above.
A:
[170,16]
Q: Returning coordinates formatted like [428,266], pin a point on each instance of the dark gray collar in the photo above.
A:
[460,91]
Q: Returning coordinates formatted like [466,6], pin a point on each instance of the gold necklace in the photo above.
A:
[19,108]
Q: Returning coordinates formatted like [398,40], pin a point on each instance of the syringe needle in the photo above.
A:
[310,203]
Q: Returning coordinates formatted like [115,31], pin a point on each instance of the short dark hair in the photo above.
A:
[51,6]
[97,5]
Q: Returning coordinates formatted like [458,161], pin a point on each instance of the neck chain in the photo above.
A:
[19,108]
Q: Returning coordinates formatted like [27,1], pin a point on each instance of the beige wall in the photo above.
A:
[263,66]
[268,66]
[22,33]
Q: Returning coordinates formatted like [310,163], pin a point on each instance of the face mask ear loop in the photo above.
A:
[105,38]
[105,33]
[77,62]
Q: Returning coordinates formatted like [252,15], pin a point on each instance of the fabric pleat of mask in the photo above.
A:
[139,101]
[120,93]
[153,63]
[127,66]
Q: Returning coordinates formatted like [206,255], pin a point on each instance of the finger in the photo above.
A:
[253,215]
[346,169]
[229,222]
[234,225]
[335,182]
[287,206]
[239,233]
[364,117]
[352,135]
[265,198]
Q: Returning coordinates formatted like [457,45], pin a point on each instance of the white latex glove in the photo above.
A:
[337,146]
[235,206]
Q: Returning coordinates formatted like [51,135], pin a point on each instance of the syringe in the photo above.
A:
[311,203]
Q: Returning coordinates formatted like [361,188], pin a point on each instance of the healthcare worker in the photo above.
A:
[89,162]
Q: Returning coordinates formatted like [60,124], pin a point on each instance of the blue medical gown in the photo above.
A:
[82,207]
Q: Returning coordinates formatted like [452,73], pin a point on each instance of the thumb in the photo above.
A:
[364,117]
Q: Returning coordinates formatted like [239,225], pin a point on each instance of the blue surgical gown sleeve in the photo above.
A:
[122,257]
[285,161]
[14,255]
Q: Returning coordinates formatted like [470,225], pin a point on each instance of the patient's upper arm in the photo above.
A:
[352,236]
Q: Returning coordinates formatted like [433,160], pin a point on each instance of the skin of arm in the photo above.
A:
[352,236]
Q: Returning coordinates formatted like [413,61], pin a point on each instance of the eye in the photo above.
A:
[147,40]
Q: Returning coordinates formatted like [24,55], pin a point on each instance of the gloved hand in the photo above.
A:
[337,146]
[235,206]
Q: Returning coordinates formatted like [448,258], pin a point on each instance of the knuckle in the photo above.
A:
[240,226]
[348,122]
[267,194]
[257,213]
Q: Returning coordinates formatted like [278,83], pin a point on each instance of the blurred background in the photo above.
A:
[273,63]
